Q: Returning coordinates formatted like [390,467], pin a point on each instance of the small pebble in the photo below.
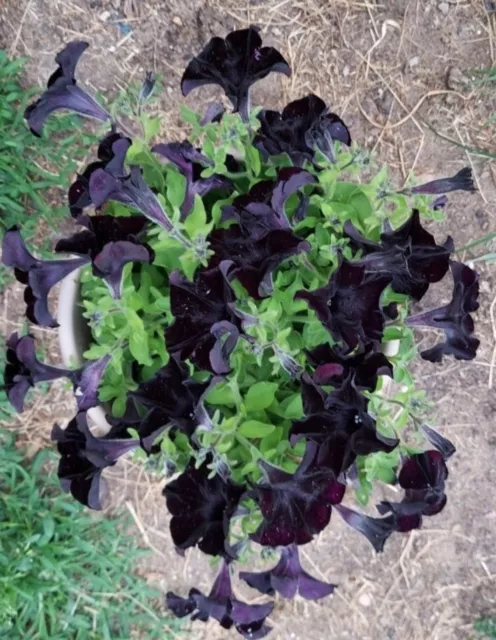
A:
[177,20]
[443,8]
[414,62]
[365,600]
[276,31]
[104,16]
[346,71]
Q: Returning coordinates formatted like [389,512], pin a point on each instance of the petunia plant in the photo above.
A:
[251,293]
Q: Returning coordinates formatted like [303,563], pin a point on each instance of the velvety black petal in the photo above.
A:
[180,607]
[23,370]
[254,261]
[294,506]
[234,64]
[201,508]
[197,307]
[174,399]
[63,96]
[83,457]
[410,254]
[288,578]
[87,381]
[349,305]
[442,444]
[333,367]
[462,181]
[303,127]
[454,318]
[376,530]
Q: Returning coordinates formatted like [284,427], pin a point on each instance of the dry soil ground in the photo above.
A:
[394,70]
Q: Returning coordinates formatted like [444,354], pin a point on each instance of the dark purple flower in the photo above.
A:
[462,181]
[63,92]
[234,64]
[254,261]
[203,316]
[349,305]
[110,243]
[23,370]
[297,506]
[83,457]
[288,578]
[454,318]
[131,190]
[147,86]
[201,508]
[262,208]
[39,275]
[334,367]
[376,530]
[303,127]
[214,113]
[442,444]
[422,476]
[410,254]
[191,162]
[175,397]
[339,423]
[86,381]
[112,152]
[220,604]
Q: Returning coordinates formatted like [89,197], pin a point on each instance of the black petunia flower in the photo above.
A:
[253,261]
[63,92]
[262,208]
[205,330]
[220,604]
[172,399]
[112,152]
[23,370]
[376,530]
[333,367]
[422,476]
[288,578]
[297,506]
[110,243]
[130,189]
[234,64]
[454,318]
[462,181]
[410,254]
[191,162]
[339,423]
[201,508]
[303,127]
[83,457]
[39,275]
[349,305]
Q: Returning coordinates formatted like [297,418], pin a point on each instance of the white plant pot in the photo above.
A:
[75,335]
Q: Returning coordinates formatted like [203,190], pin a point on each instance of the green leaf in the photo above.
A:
[221,394]
[253,160]
[176,188]
[255,429]
[260,396]
[196,221]
[138,338]
[151,127]
[294,409]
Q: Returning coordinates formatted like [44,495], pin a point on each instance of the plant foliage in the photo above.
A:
[248,294]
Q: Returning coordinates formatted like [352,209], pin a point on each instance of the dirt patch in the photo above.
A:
[395,72]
